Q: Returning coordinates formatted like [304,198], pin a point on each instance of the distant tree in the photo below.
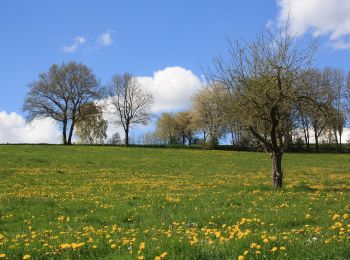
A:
[131,102]
[91,129]
[335,83]
[209,114]
[167,128]
[185,127]
[60,94]
[261,76]
[115,139]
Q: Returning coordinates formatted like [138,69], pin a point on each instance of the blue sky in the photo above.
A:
[147,36]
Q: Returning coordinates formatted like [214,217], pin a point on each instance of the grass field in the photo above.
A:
[128,203]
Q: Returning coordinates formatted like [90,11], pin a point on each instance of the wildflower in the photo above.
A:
[157,258]
[64,246]
[77,245]
[257,252]
[2,255]
[241,257]
[274,249]
[308,216]
[113,246]
[265,240]
[218,234]
[282,248]
[162,255]
[335,216]
[142,245]
[94,246]
[345,216]
[26,257]
[140,258]
[253,245]
[245,252]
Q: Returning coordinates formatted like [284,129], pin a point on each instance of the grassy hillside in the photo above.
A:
[128,203]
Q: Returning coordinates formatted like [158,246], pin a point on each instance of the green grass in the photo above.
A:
[191,204]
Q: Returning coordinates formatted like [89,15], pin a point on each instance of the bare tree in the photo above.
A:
[262,78]
[60,94]
[132,103]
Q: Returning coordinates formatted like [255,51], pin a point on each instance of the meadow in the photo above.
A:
[69,202]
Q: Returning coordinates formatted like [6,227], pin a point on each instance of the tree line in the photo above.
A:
[265,91]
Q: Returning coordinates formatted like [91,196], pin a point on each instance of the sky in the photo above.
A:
[164,43]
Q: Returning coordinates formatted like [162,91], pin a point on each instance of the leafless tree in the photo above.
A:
[132,103]
[60,94]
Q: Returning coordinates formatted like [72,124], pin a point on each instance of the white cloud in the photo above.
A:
[105,39]
[172,88]
[322,18]
[79,40]
[14,129]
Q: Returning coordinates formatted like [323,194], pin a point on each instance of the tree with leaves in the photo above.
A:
[60,94]
[261,76]
[92,128]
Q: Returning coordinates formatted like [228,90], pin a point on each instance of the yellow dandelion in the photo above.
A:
[282,248]
[140,258]
[64,246]
[241,257]
[26,257]
[274,249]
[164,254]
[257,252]
[142,245]
[253,245]
[157,258]
[265,240]
[2,255]
[113,246]
[218,234]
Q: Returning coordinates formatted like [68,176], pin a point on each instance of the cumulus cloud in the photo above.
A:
[14,129]
[105,39]
[79,40]
[322,18]
[172,88]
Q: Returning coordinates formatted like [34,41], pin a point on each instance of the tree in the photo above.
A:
[60,94]
[92,128]
[262,78]
[132,103]
[185,126]
[167,128]
[208,113]
[115,139]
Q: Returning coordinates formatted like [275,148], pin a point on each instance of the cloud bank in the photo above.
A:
[329,18]
[14,129]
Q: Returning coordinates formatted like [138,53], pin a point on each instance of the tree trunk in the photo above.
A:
[183,139]
[127,135]
[64,132]
[277,174]
[71,133]
[316,140]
